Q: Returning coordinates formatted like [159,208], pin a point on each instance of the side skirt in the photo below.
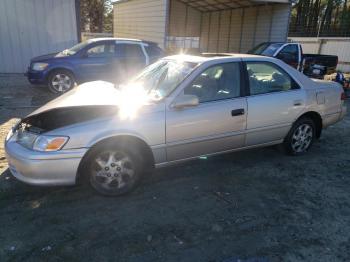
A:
[169,163]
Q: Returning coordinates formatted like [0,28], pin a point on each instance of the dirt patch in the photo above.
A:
[258,204]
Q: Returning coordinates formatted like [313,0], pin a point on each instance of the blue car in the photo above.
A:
[109,59]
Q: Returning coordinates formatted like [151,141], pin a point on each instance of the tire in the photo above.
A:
[300,137]
[114,169]
[60,81]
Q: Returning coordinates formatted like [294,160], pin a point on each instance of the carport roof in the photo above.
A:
[217,5]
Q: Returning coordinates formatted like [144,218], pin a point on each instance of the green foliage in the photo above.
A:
[320,18]
[96,16]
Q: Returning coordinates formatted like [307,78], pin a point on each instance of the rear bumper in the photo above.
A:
[43,168]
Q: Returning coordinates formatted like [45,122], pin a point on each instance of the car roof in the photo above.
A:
[209,57]
[92,40]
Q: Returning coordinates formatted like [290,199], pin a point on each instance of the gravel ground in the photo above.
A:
[257,205]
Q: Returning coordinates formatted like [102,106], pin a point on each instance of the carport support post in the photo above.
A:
[219,29]
[208,32]
[255,26]
[229,32]
[242,21]
[200,33]
[270,27]
[186,25]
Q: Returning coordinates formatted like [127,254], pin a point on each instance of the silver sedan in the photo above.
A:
[179,108]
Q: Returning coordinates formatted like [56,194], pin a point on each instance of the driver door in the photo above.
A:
[290,55]
[217,123]
[97,62]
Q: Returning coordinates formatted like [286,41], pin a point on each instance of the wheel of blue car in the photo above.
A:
[60,81]
[114,169]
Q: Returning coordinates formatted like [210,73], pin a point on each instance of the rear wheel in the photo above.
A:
[300,137]
[114,170]
[60,81]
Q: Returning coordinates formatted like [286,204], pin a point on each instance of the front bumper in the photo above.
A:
[43,168]
[36,77]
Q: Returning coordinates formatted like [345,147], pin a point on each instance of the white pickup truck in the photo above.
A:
[312,65]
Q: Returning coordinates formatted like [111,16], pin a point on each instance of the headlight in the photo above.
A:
[39,66]
[25,138]
[49,143]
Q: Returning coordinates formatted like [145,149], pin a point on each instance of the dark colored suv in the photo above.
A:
[109,59]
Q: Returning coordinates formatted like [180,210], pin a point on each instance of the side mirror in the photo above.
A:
[186,101]
[84,55]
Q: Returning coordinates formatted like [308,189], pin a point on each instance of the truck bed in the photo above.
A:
[319,65]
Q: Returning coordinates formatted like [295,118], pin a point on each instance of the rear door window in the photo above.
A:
[266,77]
[132,50]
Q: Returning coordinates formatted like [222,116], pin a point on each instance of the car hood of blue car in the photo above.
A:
[48,57]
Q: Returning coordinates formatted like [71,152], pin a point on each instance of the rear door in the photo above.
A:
[217,123]
[133,57]
[275,101]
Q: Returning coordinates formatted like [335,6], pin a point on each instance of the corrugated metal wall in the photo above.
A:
[142,19]
[184,20]
[179,25]
[238,30]
[30,28]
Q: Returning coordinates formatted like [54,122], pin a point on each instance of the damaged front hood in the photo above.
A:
[86,102]
[97,93]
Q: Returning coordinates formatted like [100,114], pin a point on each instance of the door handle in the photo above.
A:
[237,112]
[298,102]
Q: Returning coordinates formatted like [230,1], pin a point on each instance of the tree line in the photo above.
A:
[96,16]
[320,18]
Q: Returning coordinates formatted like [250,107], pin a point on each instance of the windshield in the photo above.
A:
[266,49]
[162,77]
[73,50]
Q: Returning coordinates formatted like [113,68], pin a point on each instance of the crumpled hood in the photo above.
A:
[94,93]
[86,102]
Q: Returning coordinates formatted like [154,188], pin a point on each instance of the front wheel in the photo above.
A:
[114,170]
[300,137]
[60,81]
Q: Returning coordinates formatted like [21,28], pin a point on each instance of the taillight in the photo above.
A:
[343,96]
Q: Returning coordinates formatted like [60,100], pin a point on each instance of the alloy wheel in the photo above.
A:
[112,170]
[302,138]
[61,82]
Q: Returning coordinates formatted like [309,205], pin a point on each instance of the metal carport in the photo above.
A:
[203,25]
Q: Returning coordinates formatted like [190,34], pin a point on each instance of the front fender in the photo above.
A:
[116,133]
